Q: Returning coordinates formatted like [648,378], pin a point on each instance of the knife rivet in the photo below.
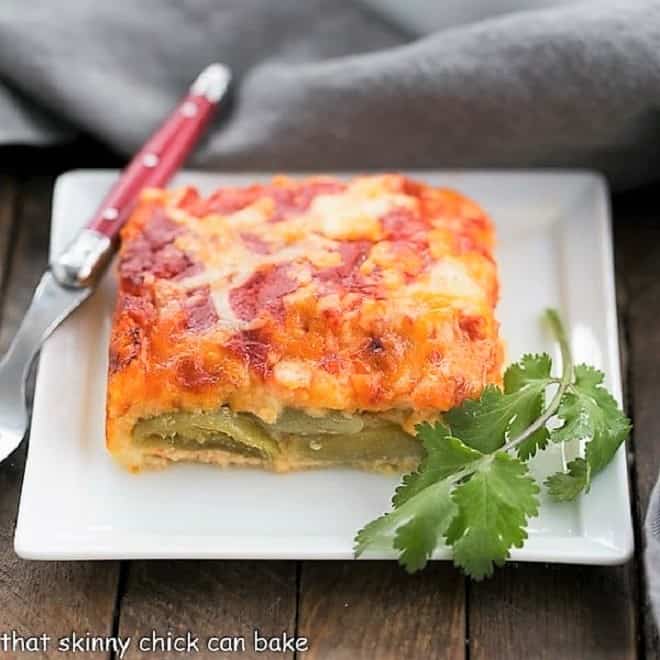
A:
[189,109]
[150,160]
[110,213]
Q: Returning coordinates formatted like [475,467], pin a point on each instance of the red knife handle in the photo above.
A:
[85,258]
[162,155]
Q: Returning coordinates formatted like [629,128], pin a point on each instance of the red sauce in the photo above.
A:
[194,268]
[134,261]
[199,310]
[191,373]
[294,200]
[170,262]
[139,308]
[403,225]
[252,348]
[125,348]
[435,357]
[154,251]
[346,276]
[189,199]
[332,363]
[465,243]
[479,222]
[255,243]
[288,199]
[229,200]
[407,233]
[159,230]
[353,254]
[472,326]
[263,291]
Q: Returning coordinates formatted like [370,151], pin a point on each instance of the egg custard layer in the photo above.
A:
[298,324]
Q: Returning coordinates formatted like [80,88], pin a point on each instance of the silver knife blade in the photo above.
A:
[50,305]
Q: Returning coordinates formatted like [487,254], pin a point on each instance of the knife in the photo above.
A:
[74,273]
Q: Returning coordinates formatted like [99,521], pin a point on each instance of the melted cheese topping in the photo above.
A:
[378,294]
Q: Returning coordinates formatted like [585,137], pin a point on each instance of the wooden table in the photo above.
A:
[347,609]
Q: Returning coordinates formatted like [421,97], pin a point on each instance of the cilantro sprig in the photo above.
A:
[473,490]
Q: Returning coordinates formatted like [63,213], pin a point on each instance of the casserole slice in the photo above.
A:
[298,324]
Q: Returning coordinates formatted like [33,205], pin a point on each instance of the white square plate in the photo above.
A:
[554,250]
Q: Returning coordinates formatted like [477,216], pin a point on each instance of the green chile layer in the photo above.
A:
[334,437]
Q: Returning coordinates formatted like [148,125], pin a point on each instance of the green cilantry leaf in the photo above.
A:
[480,502]
[494,506]
[444,456]
[589,412]
[473,490]
[485,424]
[531,370]
[609,426]
[530,376]
[566,486]
[578,404]
[423,506]
[482,423]
[415,528]
[419,537]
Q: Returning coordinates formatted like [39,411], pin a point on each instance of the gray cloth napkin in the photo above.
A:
[337,84]
[652,554]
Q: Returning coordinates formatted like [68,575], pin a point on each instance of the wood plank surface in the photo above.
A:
[28,254]
[550,612]
[637,240]
[208,599]
[41,597]
[370,609]
[8,189]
